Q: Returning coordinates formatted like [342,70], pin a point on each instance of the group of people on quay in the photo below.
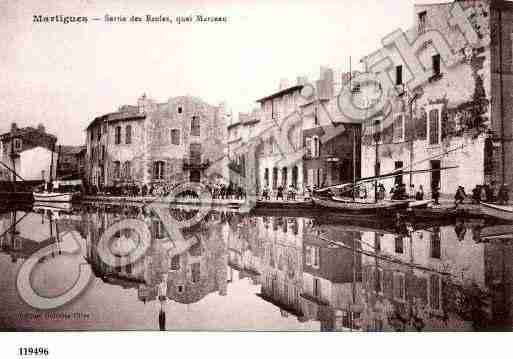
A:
[280,192]
[492,193]
[484,193]
[216,190]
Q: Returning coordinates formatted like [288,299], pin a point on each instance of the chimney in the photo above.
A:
[284,83]
[14,127]
[41,128]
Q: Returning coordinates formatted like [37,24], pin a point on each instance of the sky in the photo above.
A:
[65,75]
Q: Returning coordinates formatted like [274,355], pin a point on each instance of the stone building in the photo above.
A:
[273,165]
[332,142]
[71,163]
[162,143]
[28,151]
[240,133]
[449,105]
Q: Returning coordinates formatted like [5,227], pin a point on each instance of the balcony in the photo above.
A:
[195,164]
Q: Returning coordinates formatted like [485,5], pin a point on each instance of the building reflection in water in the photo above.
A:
[428,277]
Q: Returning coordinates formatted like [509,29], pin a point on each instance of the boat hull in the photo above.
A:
[497,211]
[53,197]
[381,208]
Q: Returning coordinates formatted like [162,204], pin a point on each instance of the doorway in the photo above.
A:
[435,174]
[399,177]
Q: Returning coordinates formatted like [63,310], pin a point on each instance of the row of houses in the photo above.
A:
[437,110]
[448,110]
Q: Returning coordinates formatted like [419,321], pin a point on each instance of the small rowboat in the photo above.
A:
[497,211]
[53,197]
[347,205]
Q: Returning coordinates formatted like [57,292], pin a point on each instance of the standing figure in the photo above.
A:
[435,194]
[460,195]
[419,195]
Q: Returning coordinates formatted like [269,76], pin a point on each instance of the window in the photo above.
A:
[118,135]
[128,135]
[275,178]
[175,136]
[308,147]
[316,147]
[18,144]
[158,170]
[195,272]
[434,127]
[399,128]
[316,118]
[117,169]
[284,177]
[316,287]
[312,256]
[180,109]
[436,65]
[356,89]
[274,146]
[422,21]
[127,170]
[195,126]
[399,286]
[399,75]
[266,177]
[399,245]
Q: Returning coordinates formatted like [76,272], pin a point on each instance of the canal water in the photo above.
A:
[98,267]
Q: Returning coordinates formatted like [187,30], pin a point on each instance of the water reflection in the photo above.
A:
[264,272]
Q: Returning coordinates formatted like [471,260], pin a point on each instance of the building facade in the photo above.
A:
[71,162]
[273,165]
[456,120]
[331,141]
[156,143]
[28,151]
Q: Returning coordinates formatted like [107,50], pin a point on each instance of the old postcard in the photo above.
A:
[256,166]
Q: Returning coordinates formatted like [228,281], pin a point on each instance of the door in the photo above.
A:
[435,173]
[194,175]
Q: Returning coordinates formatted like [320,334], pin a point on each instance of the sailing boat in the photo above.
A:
[53,194]
[325,197]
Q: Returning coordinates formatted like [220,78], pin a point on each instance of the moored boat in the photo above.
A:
[348,205]
[419,204]
[53,197]
[497,211]
[55,206]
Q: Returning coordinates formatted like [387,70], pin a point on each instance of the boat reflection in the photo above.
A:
[343,274]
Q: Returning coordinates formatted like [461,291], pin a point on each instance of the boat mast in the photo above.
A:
[354,133]
[354,163]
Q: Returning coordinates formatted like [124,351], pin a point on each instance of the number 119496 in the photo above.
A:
[33,351]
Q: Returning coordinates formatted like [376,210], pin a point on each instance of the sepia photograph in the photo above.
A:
[255,166]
